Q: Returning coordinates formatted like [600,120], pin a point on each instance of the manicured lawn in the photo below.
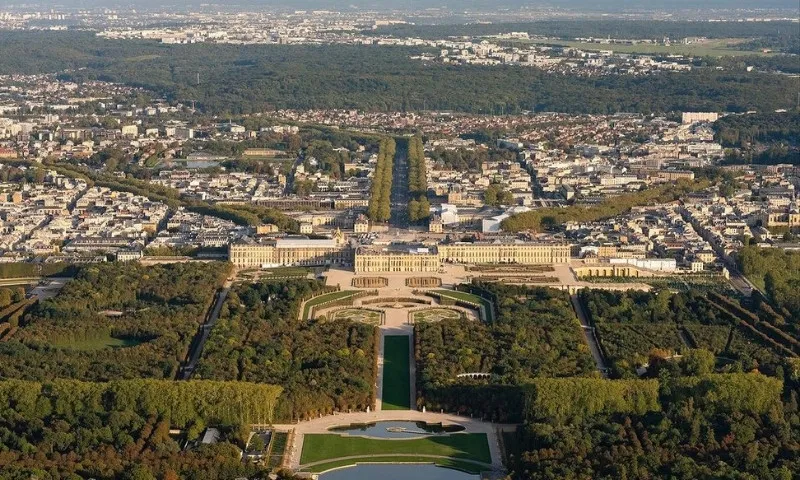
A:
[396,376]
[324,446]
[468,297]
[452,463]
[328,297]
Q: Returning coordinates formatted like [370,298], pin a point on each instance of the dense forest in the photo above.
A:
[765,138]
[639,328]
[733,426]
[777,274]
[614,28]
[254,78]
[535,334]
[324,366]
[550,218]
[121,430]
[113,321]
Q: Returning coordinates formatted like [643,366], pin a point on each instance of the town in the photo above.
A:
[504,242]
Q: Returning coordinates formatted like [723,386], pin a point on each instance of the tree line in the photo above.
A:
[419,207]
[379,208]
[549,218]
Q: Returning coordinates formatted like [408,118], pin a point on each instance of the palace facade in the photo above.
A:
[252,253]
[411,260]
[525,253]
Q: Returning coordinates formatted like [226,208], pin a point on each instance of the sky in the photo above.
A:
[456,5]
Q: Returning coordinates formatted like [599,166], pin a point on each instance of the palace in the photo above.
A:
[512,252]
[302,251]
[396,258]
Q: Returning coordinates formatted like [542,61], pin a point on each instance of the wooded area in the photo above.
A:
[764,138]
[256,78]
[114,321]
[121,429]
[777,273]
[323,366]
[638,328]
[732,426]
[536,334]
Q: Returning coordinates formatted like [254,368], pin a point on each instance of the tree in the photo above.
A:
[698,362]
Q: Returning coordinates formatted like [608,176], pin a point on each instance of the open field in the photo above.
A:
[396,377]
[711,48]
[470,446]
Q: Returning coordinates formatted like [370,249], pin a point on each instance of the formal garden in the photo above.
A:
[361,315]
[435,315]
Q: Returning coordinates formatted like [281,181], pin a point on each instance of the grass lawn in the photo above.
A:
[468,297]
[711,48]
[324,446]
[452,463]
[328,297]
[396,376]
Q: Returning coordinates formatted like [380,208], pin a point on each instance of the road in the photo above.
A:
[591,336]
[199,342]
[400,196]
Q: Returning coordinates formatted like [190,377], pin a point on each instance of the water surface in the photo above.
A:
[396,472]
[397,429]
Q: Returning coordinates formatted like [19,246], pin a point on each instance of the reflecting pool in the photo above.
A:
[396,472]
[397,429]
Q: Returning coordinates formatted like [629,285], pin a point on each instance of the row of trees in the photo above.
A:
[419,208]
[417,173]
[121,429]
[323,366]
[548,218]
[241,214]
[379,209]
[151,315]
